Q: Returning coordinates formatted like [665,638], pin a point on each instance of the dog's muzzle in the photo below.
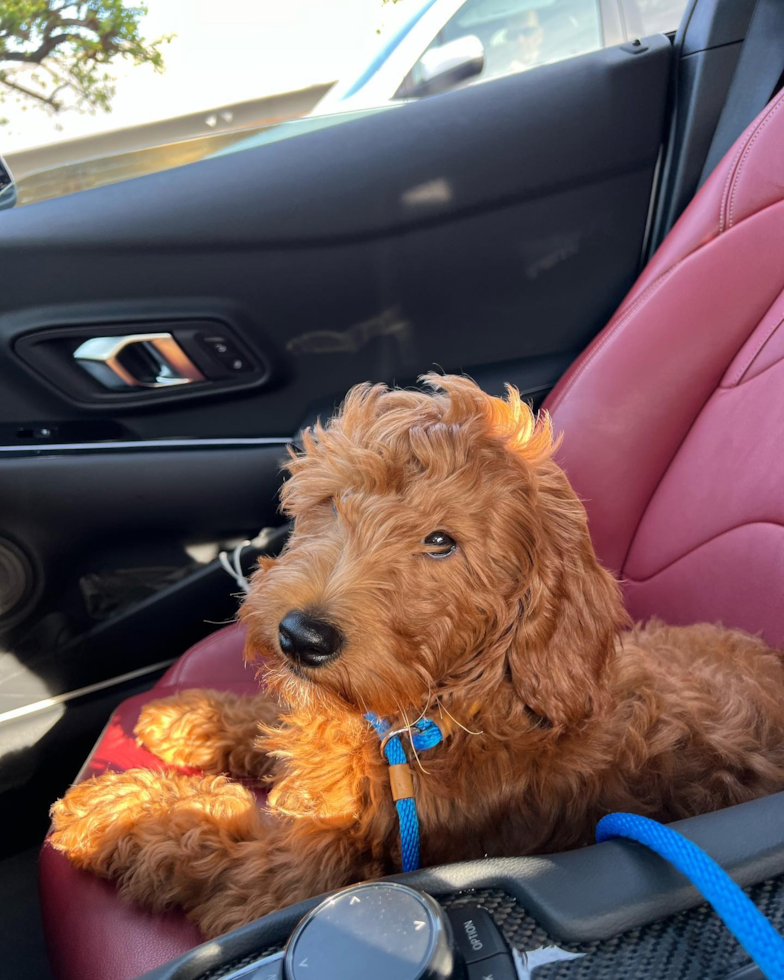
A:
[307,641]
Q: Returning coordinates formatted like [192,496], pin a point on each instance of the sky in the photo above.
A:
[224,51]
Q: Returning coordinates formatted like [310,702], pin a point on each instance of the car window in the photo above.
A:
[131,87]
[516,35]
[179,82]
[386,48]
[654,16]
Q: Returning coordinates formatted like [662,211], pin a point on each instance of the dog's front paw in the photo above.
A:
[186,729]
[94,815]
[164,835]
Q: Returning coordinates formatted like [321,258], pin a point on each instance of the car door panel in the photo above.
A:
[80,517]
[110,595]
[530,192]
[587,117]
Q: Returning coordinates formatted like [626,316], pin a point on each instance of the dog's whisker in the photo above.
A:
[459,724]
[428,702]
[418,760]
[411,737]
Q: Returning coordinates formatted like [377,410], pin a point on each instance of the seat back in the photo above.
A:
[673,418]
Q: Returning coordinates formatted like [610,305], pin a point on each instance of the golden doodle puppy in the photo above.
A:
[440,565]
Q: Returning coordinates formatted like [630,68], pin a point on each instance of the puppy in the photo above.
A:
[440,565]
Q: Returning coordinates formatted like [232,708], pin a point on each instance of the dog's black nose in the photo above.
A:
[310,641]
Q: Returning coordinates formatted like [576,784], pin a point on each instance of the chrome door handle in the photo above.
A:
[138,360]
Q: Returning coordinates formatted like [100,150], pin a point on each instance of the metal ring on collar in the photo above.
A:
[393,734]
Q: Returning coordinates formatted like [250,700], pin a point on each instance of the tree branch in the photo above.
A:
[43,51]
[73,41]
[38,96]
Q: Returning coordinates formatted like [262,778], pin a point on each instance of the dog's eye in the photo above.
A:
[439,544]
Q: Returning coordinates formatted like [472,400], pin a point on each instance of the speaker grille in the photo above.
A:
[16,578]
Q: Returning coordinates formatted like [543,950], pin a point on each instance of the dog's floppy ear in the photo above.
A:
[562,625]
[569,612]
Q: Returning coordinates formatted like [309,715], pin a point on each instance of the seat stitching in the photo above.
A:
[762,373]
[715,537]
[730,172]
[747,151]
[739,375]
[665,470]
[610,334]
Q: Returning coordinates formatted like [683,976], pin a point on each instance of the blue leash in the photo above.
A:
[425,734]
[740,915]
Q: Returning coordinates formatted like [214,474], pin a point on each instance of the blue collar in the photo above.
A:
[425,734]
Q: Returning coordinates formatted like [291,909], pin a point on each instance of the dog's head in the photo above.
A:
[437,551]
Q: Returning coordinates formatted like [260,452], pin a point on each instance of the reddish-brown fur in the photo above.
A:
[519,635]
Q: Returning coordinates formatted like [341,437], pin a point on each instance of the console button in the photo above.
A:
[272,970]
[498,967]
[236,363]
[225,355]
[476,934]
[219,346]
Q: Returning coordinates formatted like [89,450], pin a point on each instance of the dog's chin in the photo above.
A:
[332,687]
[311,678]
[296,670]
[299,686]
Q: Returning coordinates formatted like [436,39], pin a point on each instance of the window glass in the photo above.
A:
[516,35]
[133,87]
[657,16]
[386,49]
[137,86]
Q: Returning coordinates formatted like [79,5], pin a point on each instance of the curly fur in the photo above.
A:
[564,712]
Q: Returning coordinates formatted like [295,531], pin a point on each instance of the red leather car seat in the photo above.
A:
[672,418]
[673,422]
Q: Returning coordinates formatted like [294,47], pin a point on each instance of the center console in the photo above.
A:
[389,931]
[614,910]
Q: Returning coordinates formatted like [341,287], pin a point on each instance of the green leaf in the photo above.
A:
[90,33]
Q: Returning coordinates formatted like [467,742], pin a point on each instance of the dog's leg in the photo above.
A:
[295,861]
[201,843]
[214,731]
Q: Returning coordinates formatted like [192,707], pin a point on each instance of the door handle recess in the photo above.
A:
[139,360]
